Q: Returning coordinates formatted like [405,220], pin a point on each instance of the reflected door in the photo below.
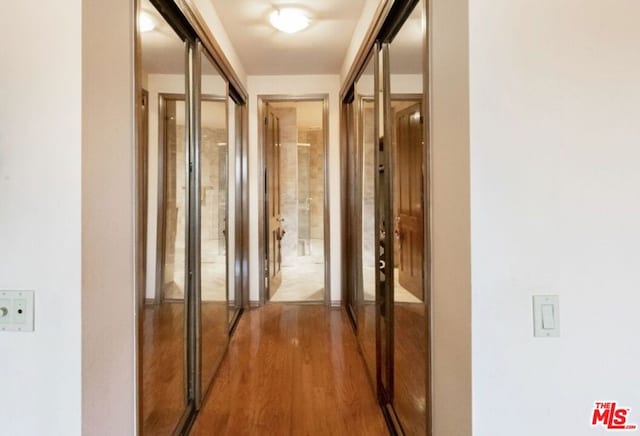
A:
[410,364]
[409,220]
[275,231]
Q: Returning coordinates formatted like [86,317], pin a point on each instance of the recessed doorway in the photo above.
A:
[294,204]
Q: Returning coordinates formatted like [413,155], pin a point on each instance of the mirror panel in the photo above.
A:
[365,196]
[233,294]
[213,200]
[163,397]
[407,117]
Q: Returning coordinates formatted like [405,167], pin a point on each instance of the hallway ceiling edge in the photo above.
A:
[263,50]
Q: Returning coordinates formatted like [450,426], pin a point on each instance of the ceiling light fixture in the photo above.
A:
[146,22]
[289,20]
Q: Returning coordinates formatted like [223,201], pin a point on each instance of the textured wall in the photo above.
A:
[315,138]
[368,188]
[289,182]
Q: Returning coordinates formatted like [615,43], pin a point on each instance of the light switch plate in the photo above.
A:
[546,316]
[16,311]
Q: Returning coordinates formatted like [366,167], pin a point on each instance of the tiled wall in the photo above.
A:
[174,260]
[213,203]
[290,198]
[316,179]
[368,189]
[213,194]
[289,182]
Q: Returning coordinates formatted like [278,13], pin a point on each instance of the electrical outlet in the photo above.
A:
[19,311]
[16,311]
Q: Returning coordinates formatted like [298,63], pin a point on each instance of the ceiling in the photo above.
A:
[319,49]
[162,48]
[405,51]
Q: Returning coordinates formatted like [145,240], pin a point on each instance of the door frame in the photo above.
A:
[263,100]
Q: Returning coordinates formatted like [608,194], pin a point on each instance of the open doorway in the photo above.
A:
[294,152]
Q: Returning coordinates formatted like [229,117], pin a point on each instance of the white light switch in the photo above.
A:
[546,320]
[16,311]
[548,323]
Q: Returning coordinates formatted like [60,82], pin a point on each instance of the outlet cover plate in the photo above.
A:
[16,311]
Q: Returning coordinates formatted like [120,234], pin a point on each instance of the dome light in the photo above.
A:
[289,20]
[145,22]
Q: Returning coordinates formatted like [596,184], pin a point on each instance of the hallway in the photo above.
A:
[292,370]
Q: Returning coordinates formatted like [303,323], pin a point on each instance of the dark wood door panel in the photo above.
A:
[409,219]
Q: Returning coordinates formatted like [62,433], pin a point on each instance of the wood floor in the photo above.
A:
[163,355]
[410,364]
[410,368]
[162,396]
[292,370]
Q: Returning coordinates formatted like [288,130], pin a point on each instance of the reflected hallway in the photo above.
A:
[292,370]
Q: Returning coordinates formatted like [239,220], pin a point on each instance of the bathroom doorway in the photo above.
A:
[294,153]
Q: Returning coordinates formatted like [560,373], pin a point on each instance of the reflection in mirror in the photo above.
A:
[365,97]
[214,179]
[297,186]
[407,117]
[234,298]
[162,335]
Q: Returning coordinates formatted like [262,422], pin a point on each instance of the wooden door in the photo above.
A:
[275,232]
[409,220]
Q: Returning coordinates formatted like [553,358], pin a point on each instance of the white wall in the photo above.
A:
[555,128]
[296,86]
[216,27]
[451,271]
[359,33]
[108,324]
[40,215]
[400,84]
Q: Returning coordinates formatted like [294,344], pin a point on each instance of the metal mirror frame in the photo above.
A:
[196,222]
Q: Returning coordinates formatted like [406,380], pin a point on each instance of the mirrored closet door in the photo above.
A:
[365,124]
[386,151]
[190,138]
[165,403]
[407,132]
[212,168]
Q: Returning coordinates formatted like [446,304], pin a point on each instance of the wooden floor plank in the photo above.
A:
[292,370]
